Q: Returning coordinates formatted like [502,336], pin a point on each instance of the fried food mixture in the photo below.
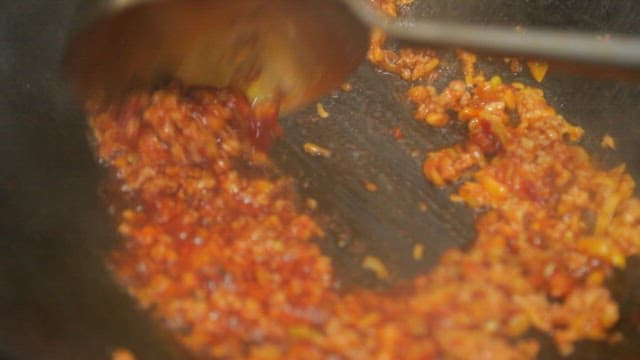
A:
[552,219]
[390,7]
[409,63]
[218,245]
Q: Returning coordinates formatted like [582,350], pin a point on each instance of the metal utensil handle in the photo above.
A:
[584,47]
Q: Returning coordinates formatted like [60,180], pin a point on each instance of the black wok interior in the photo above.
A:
[57,300]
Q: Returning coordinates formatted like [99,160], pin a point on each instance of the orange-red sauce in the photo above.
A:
[217,244]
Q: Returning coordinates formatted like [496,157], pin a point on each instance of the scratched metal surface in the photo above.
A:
[359,134]
[388,222]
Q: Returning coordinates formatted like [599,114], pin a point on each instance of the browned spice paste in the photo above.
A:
[217,244]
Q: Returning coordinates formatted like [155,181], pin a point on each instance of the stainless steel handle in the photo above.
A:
[588,48]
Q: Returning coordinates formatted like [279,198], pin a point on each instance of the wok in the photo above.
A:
[57,301]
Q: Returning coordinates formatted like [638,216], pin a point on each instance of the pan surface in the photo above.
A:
[56,299]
